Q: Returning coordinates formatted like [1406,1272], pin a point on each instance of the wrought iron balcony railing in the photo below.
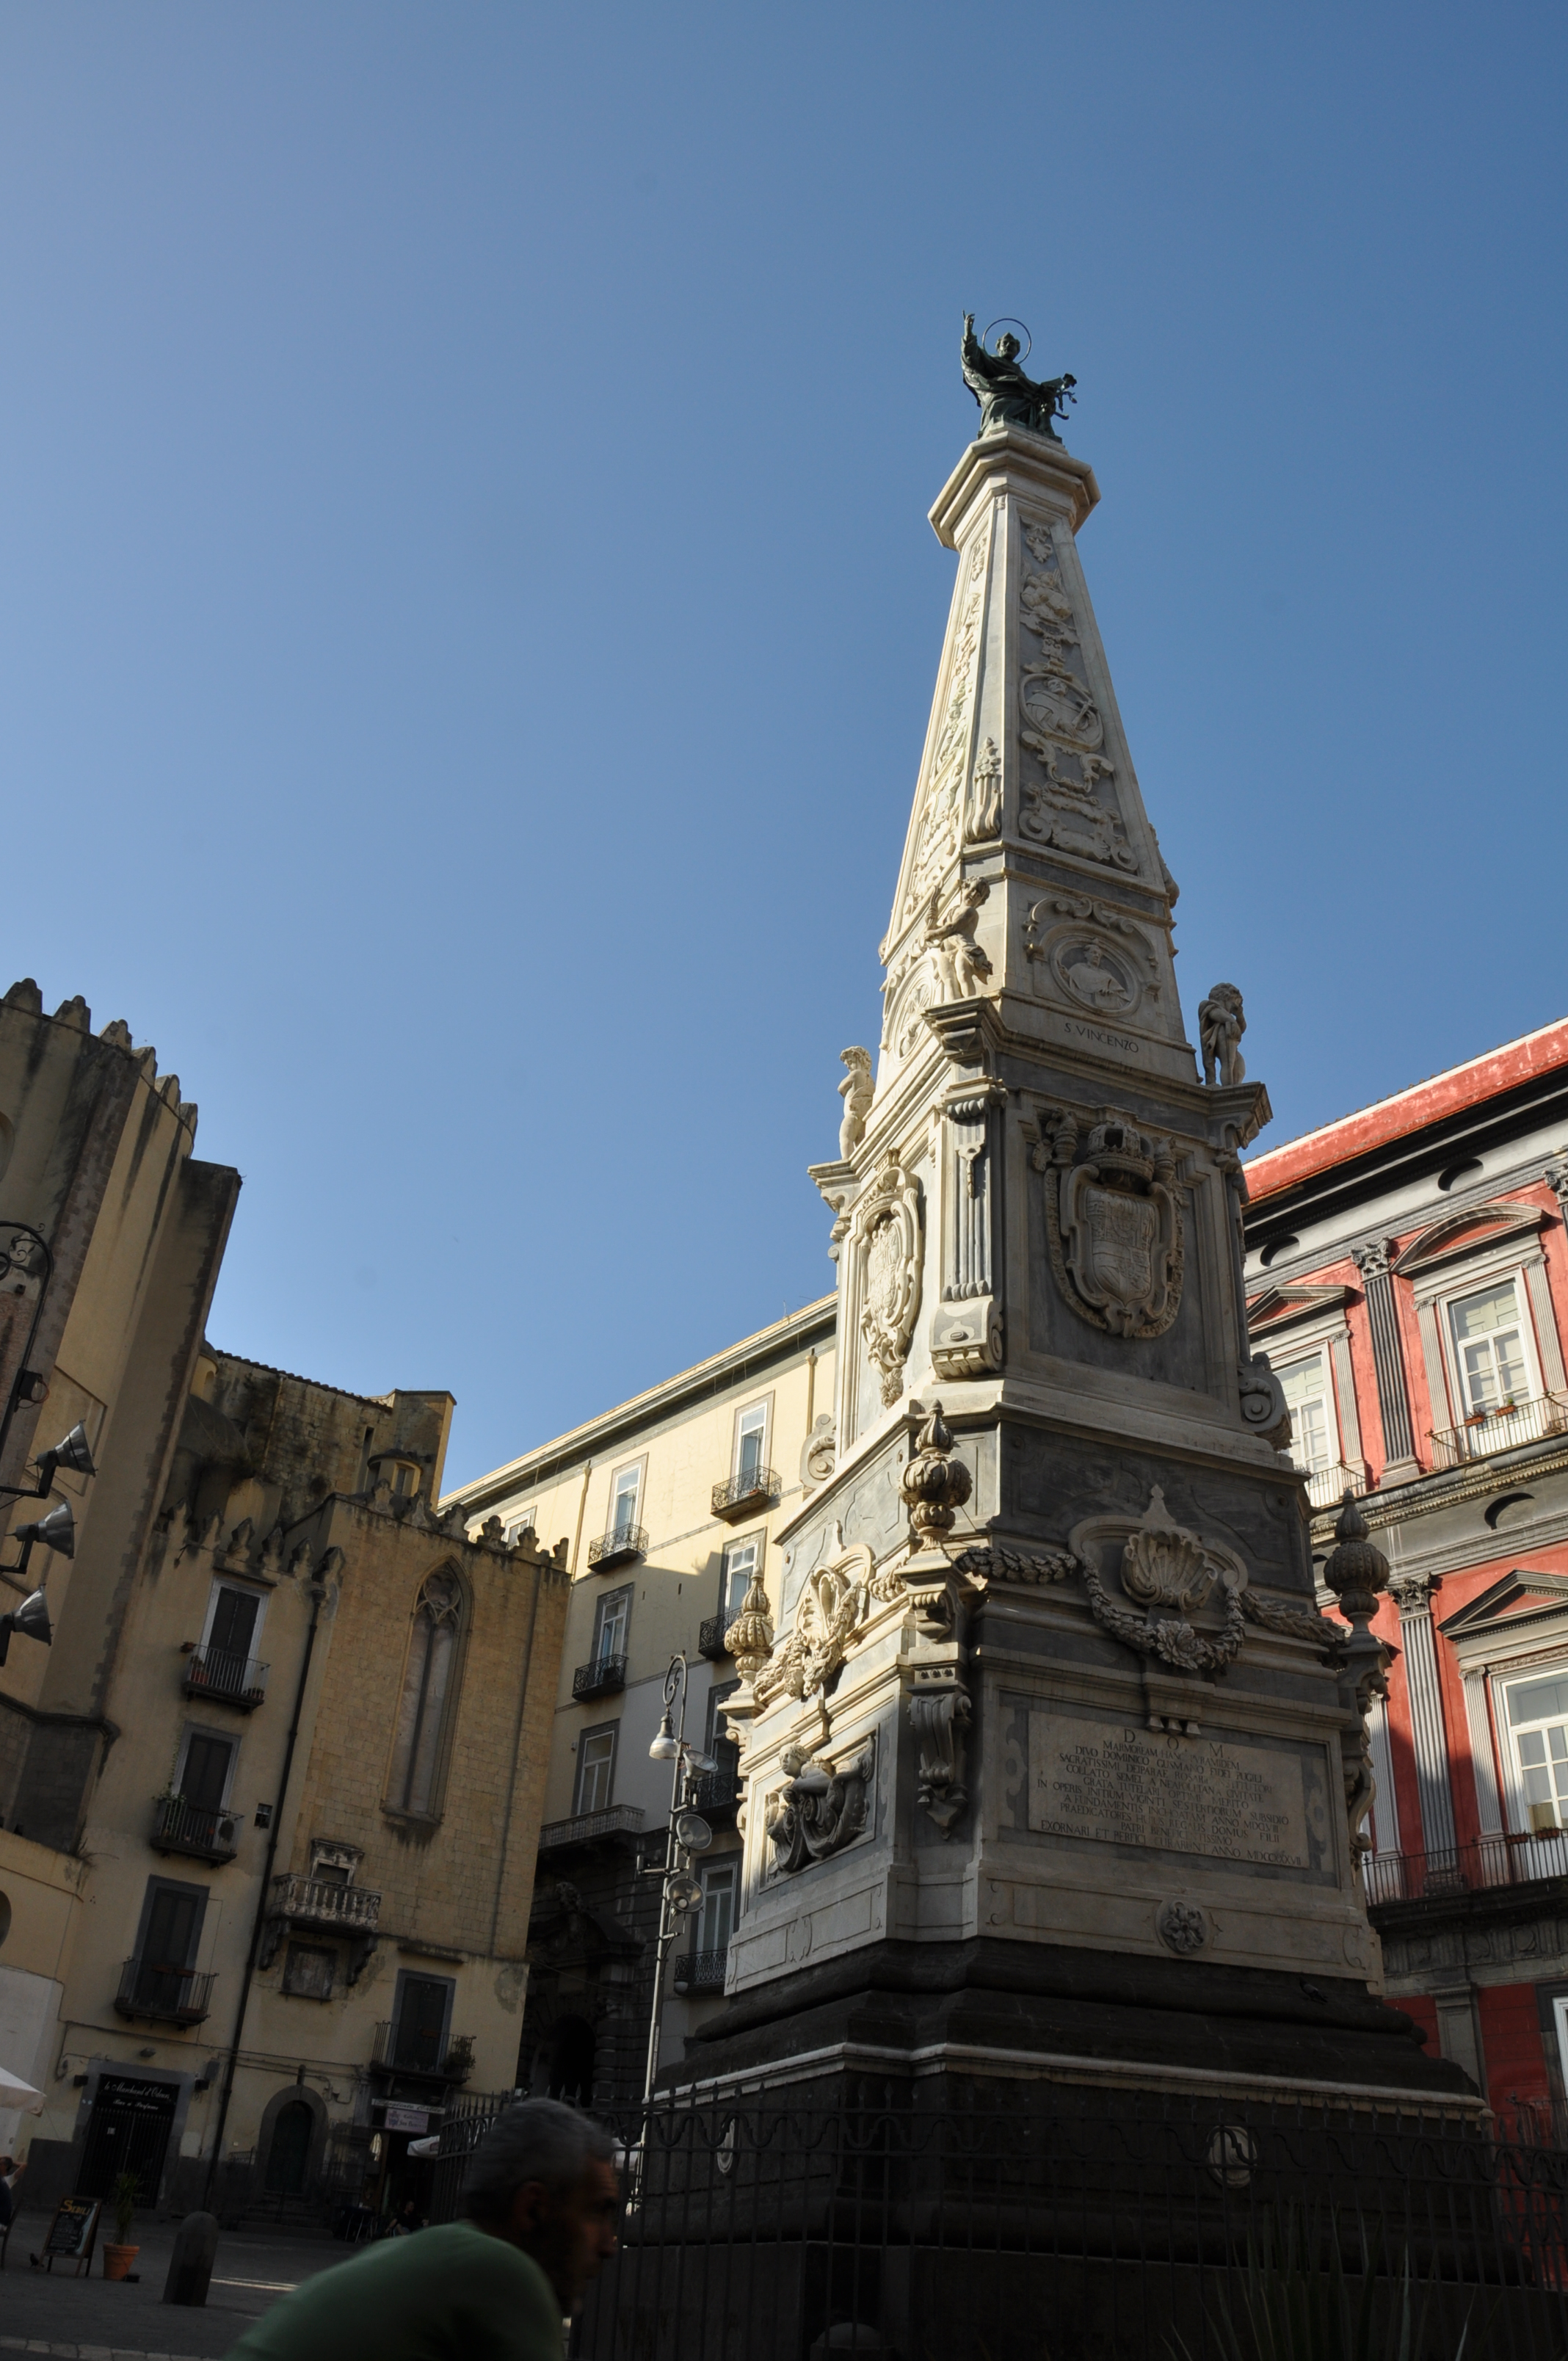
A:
[178,1826]
[589,1828]
[1489,1861]
[220,1678]
[603,1677]
[1326,1486]
[744,1494]
[714,1793]
[700,1972]
[407,2050]
[710,1637]
[322,1902]
[174,1995]
[1503,1429]
[615,1547]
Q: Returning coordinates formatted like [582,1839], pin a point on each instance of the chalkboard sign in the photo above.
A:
[71,2234]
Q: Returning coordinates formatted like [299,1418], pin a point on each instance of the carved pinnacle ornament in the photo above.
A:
[935,1484]
[1357,1570]
[749,1638]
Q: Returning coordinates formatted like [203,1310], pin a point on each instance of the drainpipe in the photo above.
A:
[318,1594]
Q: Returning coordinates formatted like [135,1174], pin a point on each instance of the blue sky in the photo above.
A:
[469,615]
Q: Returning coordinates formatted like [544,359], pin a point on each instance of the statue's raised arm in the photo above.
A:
[1006,397]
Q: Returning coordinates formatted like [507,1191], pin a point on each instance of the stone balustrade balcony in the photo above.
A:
[324,1903]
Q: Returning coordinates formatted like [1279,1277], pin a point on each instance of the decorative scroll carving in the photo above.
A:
[939,1716]
[1018,1565]
[1164,1566]
[1067,813]
[828,1613]
[1221,1025]
[888,1234]
[1113,1223]
[856,1090]
[819,1808]
[983,823]
[820,1451]
[1263,1403]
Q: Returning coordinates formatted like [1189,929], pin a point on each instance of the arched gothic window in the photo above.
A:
[429,1694]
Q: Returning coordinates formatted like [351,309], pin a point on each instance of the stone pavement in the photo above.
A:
[101,2320]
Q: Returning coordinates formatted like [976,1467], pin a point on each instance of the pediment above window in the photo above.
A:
[1521,1600]
[1277,1306]
[1458,1234]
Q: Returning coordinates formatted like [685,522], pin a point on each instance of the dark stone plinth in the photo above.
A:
[1043,2000]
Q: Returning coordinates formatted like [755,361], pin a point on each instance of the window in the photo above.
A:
[204,1780]
[166,1945]
[610,1625]
[1538,1723]
[624,1497]
[1490,1350]
[232,1617]
[1309,1400]
[308,1971]
[742,1560]
[724,1750]
[595,1768]
[419,2028]
[717,1917]
[751,1440]
[429,1694]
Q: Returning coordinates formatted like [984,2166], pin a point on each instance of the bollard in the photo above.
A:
[190,2264]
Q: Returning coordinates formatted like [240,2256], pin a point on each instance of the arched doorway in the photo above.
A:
[288,2157]
[572,2062]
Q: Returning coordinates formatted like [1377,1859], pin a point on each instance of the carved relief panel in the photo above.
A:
[886,1244]
[966,1330]
[1114,1221]
[1061,726]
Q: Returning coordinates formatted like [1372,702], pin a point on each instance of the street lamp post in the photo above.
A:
[686,1833]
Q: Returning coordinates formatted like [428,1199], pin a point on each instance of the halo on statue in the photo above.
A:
[991,348]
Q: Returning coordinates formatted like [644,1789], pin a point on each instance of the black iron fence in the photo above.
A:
[1464,1869]
[1097,2227]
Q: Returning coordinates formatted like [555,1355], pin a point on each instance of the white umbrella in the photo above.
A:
[18,2097]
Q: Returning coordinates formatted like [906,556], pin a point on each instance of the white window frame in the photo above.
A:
[1297,1359]
[757,1542]
[620,1600]
[1327,1333]
[1448,1303]
[1500,1681]
[728,1868]
[635,1470]
[247,1590]
[610,1729]
[760,1415]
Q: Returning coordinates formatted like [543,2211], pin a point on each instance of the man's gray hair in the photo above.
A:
[538,2140]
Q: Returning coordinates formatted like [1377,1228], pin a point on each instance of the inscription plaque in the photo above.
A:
[1174,1794]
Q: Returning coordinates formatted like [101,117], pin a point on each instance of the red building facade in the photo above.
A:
[1406,1274]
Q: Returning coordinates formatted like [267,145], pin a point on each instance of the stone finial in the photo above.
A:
[1357,1569]
[25,994]
[76,1012]
[749,1638]
[935,1484]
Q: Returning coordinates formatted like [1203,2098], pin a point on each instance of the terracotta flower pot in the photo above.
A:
[117,2260]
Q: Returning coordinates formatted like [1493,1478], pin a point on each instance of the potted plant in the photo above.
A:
[118,2252]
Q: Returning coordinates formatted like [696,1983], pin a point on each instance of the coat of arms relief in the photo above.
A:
[887,1238]
[1114,1221]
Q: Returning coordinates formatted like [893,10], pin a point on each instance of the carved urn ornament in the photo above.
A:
[1357,1569]
[749,1639]
[935,1484]
[1113,1224]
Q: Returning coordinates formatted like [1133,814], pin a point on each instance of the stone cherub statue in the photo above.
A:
[856,1090]
[1006,397]
[1221,1025]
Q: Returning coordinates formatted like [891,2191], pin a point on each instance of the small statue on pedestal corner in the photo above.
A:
[856,1090]
[1221,1025]
[1006,397]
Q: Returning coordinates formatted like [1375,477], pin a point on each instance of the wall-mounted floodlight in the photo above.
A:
[31,1618]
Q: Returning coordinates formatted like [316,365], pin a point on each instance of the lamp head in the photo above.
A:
[32,1618]
[56,1531]
[73,1453]
[664,1748]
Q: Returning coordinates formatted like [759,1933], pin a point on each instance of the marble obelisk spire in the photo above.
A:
[1050,1712]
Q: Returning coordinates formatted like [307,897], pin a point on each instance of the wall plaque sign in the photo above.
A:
[1118,1785]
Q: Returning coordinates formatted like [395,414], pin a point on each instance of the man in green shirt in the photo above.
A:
[543,2199]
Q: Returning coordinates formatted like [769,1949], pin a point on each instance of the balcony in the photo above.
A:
[604,1678]
[171,1995]
[710,1637]
[700,1972]
[219,1678]
[618,1547]
[401,2050]
[591,1827]
[322,1902]
[1326,1486]
[1503,1429]
[745,1495]
[179,1826]
[715,1793]
[1487,1865]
